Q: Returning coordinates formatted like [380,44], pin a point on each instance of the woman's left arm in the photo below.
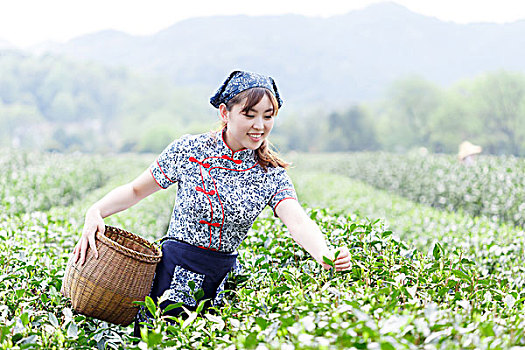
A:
[307,234]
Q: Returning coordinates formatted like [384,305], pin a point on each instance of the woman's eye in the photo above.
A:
[249,115]
[268,116]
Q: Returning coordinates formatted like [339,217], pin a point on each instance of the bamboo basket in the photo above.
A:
[105,288]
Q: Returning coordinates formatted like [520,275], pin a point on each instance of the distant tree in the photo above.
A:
[300,131]
[452,121]
[498,101]
[350,131]
[88,106]
[408,113]
[62,108]
[15,119]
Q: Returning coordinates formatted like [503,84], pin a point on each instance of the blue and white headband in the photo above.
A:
[238,81]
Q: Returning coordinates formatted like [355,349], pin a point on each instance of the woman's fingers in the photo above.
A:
[75,252]
[83,249]
[343,264]
[92,245]
[343,267]
[343,260]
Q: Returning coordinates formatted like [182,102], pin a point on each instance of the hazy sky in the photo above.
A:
[27,22]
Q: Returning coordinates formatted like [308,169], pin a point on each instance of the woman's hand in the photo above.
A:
[92,223]
[342,262]
[308,235]
[117,200]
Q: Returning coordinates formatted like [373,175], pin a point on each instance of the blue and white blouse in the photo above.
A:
[220,191]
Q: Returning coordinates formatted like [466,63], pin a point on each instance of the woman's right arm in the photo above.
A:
[115,201]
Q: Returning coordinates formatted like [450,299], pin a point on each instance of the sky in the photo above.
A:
[25,23]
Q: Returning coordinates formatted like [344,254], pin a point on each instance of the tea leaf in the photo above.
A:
[150,305]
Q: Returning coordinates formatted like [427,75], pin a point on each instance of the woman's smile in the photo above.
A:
[255,137]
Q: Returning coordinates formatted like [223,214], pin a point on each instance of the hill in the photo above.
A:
[337,60]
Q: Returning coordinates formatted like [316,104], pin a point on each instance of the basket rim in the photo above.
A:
[150,258]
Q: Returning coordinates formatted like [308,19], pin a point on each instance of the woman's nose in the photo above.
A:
[258,123]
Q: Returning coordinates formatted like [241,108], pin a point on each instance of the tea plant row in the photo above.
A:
[493,186]
[39,181]
[434,294]
[394,296]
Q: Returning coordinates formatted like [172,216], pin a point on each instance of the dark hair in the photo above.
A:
[265,155]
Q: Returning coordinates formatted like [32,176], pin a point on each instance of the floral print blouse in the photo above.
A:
[220,191]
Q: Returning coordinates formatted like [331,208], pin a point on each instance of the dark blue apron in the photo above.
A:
[181,263]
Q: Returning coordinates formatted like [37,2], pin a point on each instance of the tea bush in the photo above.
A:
[415,281]
[492,187]
[39,181]
[496,248]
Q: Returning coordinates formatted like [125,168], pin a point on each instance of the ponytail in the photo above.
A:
[267,157]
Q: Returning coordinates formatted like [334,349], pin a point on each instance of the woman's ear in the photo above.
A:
[223,113]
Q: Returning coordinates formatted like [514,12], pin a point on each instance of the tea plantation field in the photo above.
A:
[437,253]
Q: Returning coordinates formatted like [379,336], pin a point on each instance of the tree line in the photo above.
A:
[488,110]
[56,104]
[52,103]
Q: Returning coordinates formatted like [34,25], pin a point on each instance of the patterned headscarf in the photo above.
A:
[238,81]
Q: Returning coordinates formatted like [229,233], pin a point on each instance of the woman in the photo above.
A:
[225,179]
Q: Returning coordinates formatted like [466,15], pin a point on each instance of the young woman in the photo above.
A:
[225,179]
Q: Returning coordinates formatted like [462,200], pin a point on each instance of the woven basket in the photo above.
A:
[105,288]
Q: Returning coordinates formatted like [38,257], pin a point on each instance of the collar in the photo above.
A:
[243,154]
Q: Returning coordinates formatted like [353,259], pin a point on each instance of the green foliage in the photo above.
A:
[500,106]
[495,247]
[458,292]
[102,109]
[39,181]
[492,187]
[487,110]
[350,131]
[411,103]
[56,104]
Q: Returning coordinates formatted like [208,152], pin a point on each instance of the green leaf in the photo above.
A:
[191,284]
[387,346]
[487,329]
[199,294]
[251,340]
[461,274]
[261,322]
[53,320]
[201,305]
[154,339]
[150,305]
[437,251]
[386,234]
[172,306]
[72,330]
[328,261]
[280,289]
[24,318]
[442,291]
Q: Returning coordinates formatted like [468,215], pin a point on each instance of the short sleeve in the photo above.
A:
[283,189]
[165,169]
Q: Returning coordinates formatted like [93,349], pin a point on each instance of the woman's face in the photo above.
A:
[248,130]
